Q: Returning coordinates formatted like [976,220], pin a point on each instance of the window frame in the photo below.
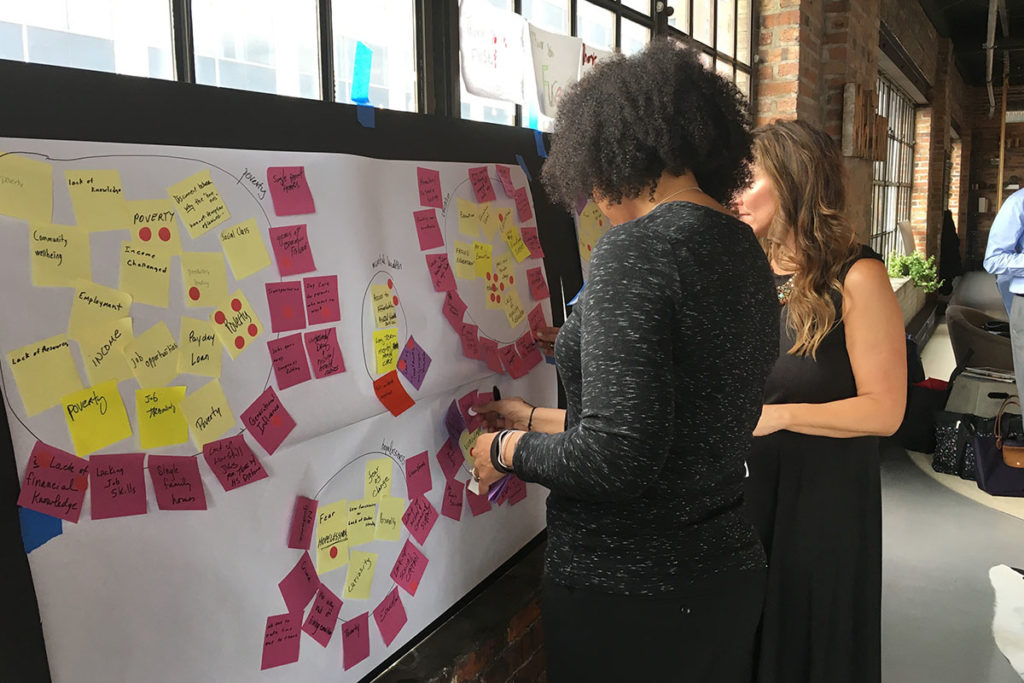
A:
[892,180]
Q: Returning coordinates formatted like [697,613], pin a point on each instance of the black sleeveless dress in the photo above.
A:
[816,503]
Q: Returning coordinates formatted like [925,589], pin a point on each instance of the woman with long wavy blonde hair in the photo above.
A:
[840,382]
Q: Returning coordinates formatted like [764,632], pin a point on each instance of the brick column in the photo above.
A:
[779,56]
[919,193]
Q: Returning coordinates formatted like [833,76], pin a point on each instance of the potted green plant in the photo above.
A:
[921,271]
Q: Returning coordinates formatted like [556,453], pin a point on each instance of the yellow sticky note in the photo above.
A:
[153,356]
[102,347]
[235,324]
[383,302]
[505,269]
[465,260]
[208,413]
[466,442]
[513,307]
[359,579]
[385,347]
[389,519]
[487,216]
[154,224]
[199,350]
[205,278]
[362,520]
[468,219]
[145,274]
[482,255]
[331,536]
[199,203]
[96,417]
[98,199]
[59,254]
[592,226]
[378,478]
[94,304]
[514,239]
[492,291]
[26,188]
[44,371]
[161,422]
[244,247]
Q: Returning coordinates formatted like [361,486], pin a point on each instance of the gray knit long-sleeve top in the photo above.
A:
[664,361]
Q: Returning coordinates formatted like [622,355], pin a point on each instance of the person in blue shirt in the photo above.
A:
[1004,258]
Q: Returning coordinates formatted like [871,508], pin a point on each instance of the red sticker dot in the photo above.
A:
[236,305]
[501,218]
[391,285]
[165,234]
[44,459]
[589,247]
[488,276]
[394,300]
[499,299]
[502,286]
[80,483]
[239,342]
[253,330]
[219,318]
[511,279]
[326,312]
[492,296]
[145,234]
[410,344]
[414,585]
[193,293]
[287,311]
[276,421]
[600,223]
[286,262]
[334,551]
[401,365]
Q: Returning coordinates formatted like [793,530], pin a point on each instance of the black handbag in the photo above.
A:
[954,447]
[994,476]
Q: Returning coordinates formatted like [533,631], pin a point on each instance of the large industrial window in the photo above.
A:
[893,178]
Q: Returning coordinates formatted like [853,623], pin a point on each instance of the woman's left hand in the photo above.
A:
[483,471]
[772,420]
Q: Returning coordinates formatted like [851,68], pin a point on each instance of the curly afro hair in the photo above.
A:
[633,118]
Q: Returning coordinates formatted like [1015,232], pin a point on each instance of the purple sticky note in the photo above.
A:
[324,352]
[427,229]
[289,190]
[55,483]
[523,209]
[176,482]
[414,363]
[286,306]
[538,285]
[117,486]
[581,203]
[478,505]
[281,640]
[390,616]
[323,616]
[417,475]
[288,359]
[300,584]
[528,351]
[468,400]
[291,250]
[322,299]
[450,457]
[409,568]
[453,309]
[496,490]
[505,177]
[303,516]
[454,422]
[451,503]
[441,272]
[536,318]
[268,421]
[233,462]
[481,183]
[355,640]
[419,518]
[489,351]
[532,241]
[429,183]
[470,341]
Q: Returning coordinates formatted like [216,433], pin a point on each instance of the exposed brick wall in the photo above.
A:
[919,194]
[779,59]
[956,159]
[915,33]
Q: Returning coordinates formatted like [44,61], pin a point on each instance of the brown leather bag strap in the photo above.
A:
[1009,400]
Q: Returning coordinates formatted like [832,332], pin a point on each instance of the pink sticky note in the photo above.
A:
[281,640]
[468,400]
[409,568]
[470,341]
[392,394]
[267,421]
[516,490]
[289,190]
[419,518]
[489,351]
[449,458]
[291,250]
[300,584]
[417,475]
[481,183]
[427,229]
[355,640]
[451,503]
[286,306]
[323,616]
[390,616]
[538,285]
[176,482]
[478,505]
[55,483]
[528,351]
[303,517]
[536,318]
[453,309]
[441,272]
[324,352]
[505,177]
[523,210]
[322,299]
[414,363]
[117,486]
[532,241]
[233,462]
[429,183]
[288,359]
[510,359]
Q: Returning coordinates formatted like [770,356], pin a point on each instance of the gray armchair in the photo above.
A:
[966,335]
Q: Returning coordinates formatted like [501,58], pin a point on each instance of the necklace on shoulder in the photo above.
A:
[784,290]
[677,192]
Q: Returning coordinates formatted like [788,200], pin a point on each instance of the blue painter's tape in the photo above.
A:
[549,360]
[361,74]
[37,528]
[366,115]
[572,302]
[522,165]
[542,151]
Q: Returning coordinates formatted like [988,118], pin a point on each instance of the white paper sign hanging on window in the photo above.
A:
[591,56]
[556,66]
[493,48]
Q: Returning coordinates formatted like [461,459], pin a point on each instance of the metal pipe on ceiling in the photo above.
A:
[995,8]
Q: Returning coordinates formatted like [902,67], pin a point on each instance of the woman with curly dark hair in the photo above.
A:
[652,572]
